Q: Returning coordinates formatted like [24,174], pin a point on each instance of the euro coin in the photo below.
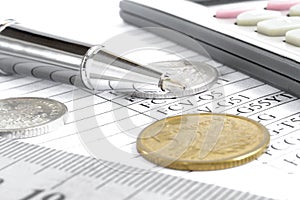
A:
[30,116]
[203,141]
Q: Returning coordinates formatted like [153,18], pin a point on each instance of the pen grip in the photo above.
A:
[26,67]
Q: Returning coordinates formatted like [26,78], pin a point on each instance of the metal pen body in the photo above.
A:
[28,52]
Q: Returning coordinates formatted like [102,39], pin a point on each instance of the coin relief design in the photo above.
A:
[29,115]
[203,141]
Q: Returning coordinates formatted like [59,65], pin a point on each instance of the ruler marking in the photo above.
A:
[135,193]
[94,174]
[86,173]
[7,147]
[230,194]
[98,187]
[128,176]
[123,168]
[191,190]
[56,159]
[235,194]
[65,162]
[10,164]
[36,152]
[220,193]
[245,196]
[185,184]
[78,161]
[64,159]
[145,182]
[144,178]
[125,178]
[86,165]
[62,166]
[160,184]
[90,172]
[14,162]
[201,190]
[10,153]
[51,162]
[12,143]
[142,173]
[42,159]
[106,176]
[28,151]
[208,193]
[133,177]
[170,182]
[105,170]
[154,181]
[227,194]
[113,178]
[2,140]
[177,180]
[107,181]
[40,155]
[83,167]
[63,181]
[174,190]
[140,179]
[31,149]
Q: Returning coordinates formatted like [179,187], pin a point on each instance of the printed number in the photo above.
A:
[1,181]
[37,193]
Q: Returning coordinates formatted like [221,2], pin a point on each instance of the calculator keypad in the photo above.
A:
[281,4]
[251,18]
[293,37]
[280,18]
[231,12]
[279,26]
[295,10]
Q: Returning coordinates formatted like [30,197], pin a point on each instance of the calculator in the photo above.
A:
[260,38]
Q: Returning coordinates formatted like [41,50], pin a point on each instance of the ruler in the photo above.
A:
[31,172]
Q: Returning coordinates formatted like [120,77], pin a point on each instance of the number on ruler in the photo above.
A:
[36,193]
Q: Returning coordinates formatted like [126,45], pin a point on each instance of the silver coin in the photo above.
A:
[197,76]
[30,116]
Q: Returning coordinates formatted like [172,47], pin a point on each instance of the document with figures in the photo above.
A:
[106,124]
[96,120]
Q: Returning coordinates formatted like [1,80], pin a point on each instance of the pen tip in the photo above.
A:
[186,78]
[172,85]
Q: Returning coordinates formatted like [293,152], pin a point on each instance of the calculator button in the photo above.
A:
[295,10]
[293,37]
[279,26]
[251,18]
[281,4]
[230,12]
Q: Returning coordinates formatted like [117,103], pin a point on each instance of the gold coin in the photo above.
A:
[203,141]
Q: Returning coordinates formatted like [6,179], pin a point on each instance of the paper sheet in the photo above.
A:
[120,118]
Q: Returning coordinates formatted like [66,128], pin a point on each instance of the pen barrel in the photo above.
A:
[29,52]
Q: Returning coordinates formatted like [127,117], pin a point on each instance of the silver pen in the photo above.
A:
[25,51]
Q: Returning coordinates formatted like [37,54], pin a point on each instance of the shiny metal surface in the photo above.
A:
[29,52]
[23,42]
[30,116]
